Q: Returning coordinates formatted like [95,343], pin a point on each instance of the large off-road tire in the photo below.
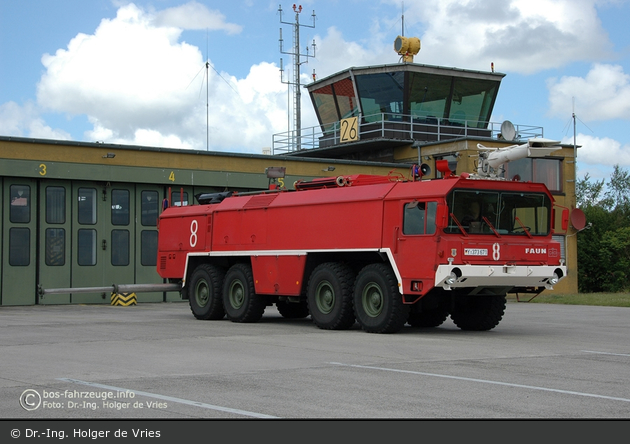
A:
[329,296]
[292,310]
[428,318]
[239,296]
[204,292]
[378,304]
[478,312]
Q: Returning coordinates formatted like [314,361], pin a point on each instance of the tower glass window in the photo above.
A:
[381,95]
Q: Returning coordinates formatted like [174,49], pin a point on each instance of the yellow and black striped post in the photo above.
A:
[124,299]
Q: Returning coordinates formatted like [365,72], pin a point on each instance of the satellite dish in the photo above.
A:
[507,130]
[578,219]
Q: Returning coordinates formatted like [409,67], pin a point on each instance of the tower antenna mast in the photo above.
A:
[574,135]
[299,58]
[207,93]
[403,19]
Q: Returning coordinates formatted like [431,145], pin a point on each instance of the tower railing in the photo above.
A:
[396,126]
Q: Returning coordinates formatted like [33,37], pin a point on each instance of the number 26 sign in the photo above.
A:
[349,130]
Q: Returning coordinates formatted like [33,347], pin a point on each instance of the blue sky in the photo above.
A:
[134,72]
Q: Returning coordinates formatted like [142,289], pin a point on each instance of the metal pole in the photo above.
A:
[207,92]
[114,288]
[296,132]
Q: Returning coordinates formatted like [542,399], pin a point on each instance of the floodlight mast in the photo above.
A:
[297,62]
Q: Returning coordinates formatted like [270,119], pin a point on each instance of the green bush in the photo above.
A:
[615,257]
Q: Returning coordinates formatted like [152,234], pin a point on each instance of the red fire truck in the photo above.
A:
[383,251]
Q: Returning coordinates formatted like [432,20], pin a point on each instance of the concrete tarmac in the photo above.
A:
[156,361]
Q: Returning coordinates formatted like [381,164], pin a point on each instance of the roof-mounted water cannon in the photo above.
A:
[492,160]
[407,47]
[442,166]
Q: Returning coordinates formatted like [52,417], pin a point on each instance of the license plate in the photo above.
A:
[475,251]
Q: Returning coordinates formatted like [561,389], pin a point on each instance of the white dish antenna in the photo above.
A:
[508,132]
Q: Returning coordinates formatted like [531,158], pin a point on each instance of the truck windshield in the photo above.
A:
[509,213]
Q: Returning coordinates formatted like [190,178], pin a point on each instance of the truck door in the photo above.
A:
[416,245]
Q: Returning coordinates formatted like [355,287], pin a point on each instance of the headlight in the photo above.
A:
[451,279]
[553,280]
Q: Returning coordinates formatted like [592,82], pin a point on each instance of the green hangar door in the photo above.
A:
[54,233]
[19,231]
[148,205]
[103,238]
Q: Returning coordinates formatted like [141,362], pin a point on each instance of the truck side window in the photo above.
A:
[413,219]
[419,218]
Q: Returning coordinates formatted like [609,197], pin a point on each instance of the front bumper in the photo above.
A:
[461,276]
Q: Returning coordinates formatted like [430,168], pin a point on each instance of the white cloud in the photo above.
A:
[25,121]
[335,53]
[127,67]
[194,15]
[139,85]
[604,94]
[600,151]
[524,36]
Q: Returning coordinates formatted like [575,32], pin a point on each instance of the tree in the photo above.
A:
[618,190]
[604,249]
[587,193]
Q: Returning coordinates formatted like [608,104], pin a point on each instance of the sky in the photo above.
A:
[205,74]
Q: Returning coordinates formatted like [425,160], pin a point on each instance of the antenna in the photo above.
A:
[296,55]
[575,118]
[207,65]
[207,93]
[574,135]
[403,19]
[206,74]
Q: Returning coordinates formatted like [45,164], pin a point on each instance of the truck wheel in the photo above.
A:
[239,297]
[329,296]
[478,313]
[428,318]
[204,292]
[378,305]
[292,310]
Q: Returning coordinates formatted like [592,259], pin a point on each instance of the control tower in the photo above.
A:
[364,110]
